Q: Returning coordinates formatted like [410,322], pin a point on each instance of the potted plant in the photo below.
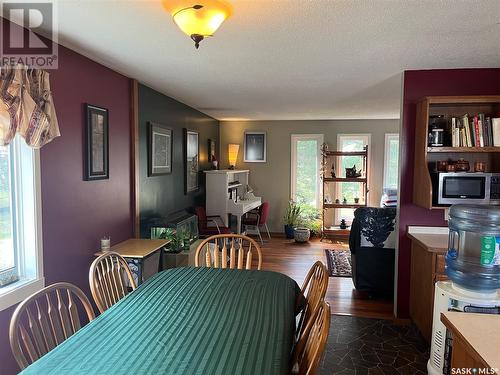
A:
[176,241]
[301,234]
[311,219]
[291,218]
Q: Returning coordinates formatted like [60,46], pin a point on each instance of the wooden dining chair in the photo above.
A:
[228,251]
[110,279]
[45,319]
[310,347]
[313,291]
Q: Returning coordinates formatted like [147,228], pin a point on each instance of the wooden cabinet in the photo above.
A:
[427,267]
[475,342]
[426,157]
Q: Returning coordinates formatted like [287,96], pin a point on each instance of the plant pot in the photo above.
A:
[289,231]
[301,234]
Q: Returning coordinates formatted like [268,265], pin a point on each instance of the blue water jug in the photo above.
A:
[473,257]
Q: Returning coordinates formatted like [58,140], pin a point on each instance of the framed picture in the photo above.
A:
[96,143]
[159,149]
[211,150]
[191,161]
[255,147]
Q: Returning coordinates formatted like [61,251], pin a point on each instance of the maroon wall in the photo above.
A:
[418,84]
[77,213]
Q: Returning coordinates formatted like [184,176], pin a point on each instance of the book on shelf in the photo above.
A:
[495,127]
[475,131]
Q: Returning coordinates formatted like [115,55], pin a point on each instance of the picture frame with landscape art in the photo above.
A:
[96,160]
[159,149]
[255,150]
[191,161]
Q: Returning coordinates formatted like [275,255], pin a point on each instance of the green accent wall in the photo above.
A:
[160,196]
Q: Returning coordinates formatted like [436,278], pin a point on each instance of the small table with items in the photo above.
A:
[142,255]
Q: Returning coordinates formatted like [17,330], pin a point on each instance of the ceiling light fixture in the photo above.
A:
[198,18]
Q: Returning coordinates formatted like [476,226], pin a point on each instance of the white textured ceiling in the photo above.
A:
[287,59]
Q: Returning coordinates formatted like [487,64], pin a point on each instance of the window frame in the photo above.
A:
[293,161]
[26,209]
[353,136]
[388,138]
[13,216]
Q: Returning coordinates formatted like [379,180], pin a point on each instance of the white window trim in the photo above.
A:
[369,164]
[22,289]
[388,137]
[293,161]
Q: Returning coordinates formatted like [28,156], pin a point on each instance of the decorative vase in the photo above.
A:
[343,224]
[301,235]
[289,231]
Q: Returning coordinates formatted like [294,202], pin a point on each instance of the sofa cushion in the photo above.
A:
[377,227]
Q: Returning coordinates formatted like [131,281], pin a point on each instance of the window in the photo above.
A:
[391,161]
[20,223]
[7,254]
[350,190]
[306,161]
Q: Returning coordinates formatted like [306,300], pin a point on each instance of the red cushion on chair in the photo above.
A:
[203,228]
[263,212]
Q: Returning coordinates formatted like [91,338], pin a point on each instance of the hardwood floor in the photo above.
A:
[294,260]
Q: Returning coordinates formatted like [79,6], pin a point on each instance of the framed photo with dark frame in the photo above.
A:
[191,161]
[96,158]
[255,150]
[159,149]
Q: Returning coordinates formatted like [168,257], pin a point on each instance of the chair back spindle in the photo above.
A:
[214,250]
[46,319]
[310,347]
[110,279]
[313,291]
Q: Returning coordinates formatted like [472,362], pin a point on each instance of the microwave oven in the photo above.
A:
[464,187]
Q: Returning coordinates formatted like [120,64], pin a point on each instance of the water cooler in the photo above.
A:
[473,266]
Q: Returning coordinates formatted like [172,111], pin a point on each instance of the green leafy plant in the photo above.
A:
[177,240]
[292,214]
[310,217]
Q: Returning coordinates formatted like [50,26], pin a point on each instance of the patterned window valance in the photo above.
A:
[26,106]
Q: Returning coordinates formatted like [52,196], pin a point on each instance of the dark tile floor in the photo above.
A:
[373,346]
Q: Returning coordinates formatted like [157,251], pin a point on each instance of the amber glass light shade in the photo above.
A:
[232,152]
[198,18]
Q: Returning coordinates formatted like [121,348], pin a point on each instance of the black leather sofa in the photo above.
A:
[372,245]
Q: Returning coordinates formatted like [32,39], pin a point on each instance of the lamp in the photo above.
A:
[232,152]
[198,18]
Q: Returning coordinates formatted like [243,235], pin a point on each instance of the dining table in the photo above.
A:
[188,320]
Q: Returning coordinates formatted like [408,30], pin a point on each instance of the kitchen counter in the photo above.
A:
[433,242]
[476,339]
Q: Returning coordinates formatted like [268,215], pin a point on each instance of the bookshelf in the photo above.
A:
[426,157]
[330,228]
[462,149]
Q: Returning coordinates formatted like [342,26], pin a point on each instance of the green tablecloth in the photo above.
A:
[187,321]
